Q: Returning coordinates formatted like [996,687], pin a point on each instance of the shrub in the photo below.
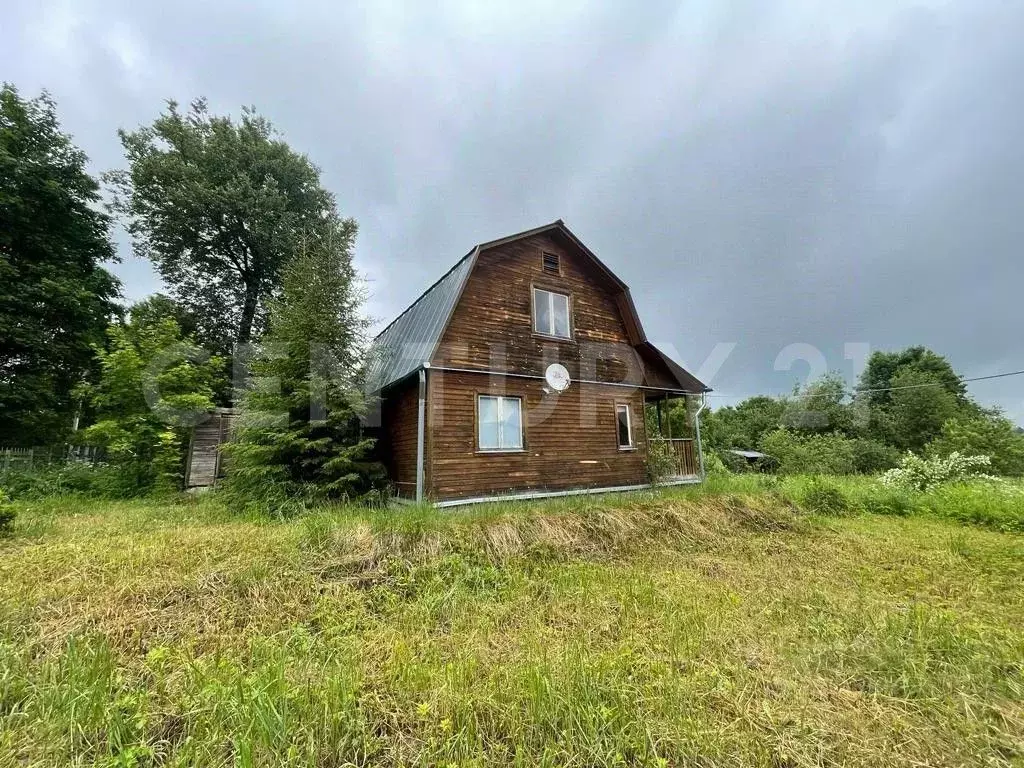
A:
[872,456]
[660,461]
[987,435]
[732,463]
[713,464]
[830,454]
[79,479]
[824,498]
[6,513]
[920,474]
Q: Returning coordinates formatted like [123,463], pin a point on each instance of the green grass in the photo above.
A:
[714,626]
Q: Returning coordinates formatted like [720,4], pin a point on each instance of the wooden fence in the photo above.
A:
[32,458]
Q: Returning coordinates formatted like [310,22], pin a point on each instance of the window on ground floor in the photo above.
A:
[500,423]
[624,422]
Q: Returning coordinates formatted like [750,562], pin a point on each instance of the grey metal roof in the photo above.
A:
[750,454]
[410,340]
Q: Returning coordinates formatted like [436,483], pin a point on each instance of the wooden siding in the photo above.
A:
[399,414]
[570,439]
[492,325]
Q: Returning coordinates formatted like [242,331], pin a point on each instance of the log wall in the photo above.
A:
[570,439]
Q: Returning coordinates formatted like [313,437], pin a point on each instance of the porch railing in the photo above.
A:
[683,452]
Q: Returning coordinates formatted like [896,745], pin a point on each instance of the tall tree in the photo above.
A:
[218,207]
[55,298]
[883,367]
[299,436]
[920,404]
[909,394]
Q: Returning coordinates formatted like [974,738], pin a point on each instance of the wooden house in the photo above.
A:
[525,371]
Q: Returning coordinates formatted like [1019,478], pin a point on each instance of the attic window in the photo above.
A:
[551,314]
[551,263]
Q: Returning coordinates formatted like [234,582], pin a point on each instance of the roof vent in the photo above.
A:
[551,263]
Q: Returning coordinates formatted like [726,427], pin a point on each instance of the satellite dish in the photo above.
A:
[557,377]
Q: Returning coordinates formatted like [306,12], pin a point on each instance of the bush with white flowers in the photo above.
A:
[920,474]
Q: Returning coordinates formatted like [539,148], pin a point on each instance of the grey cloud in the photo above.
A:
[759,173]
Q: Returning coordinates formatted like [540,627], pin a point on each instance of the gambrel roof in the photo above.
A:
[412,338]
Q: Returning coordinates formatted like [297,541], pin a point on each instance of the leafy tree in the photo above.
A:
[990,435]
[152,309]
[298,438]
[743,425]
[918,407]
[821,407]
[218,207]
[55,299]
[153,388]
[883,368]
[871,456]
[910,394]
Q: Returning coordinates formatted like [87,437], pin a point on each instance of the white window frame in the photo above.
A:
[501,422]
[629,427]
[544,294]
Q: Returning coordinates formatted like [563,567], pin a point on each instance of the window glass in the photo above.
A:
[625,431]
[560,316]
[500,423]
[511,424]
[488,421]
[551,313]
[542,309]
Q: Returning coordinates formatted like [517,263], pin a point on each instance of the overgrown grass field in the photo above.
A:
[745,623]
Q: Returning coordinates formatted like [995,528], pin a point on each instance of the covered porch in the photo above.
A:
[673,429]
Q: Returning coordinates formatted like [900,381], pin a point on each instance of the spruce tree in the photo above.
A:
[299,440]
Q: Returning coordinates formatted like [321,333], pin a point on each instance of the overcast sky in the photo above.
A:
[761,174]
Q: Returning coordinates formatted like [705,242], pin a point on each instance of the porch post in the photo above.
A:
[696,430]
[421,433]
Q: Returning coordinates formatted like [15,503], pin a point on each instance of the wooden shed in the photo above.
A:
[205,463]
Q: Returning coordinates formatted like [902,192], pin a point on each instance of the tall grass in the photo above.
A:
[686,626]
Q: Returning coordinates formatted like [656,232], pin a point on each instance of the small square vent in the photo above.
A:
[551,263]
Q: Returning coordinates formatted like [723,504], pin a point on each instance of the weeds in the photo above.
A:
[688,626]
[7,514]
[822,498]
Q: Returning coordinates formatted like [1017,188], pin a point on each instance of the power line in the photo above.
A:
[857,390]
[939,383]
